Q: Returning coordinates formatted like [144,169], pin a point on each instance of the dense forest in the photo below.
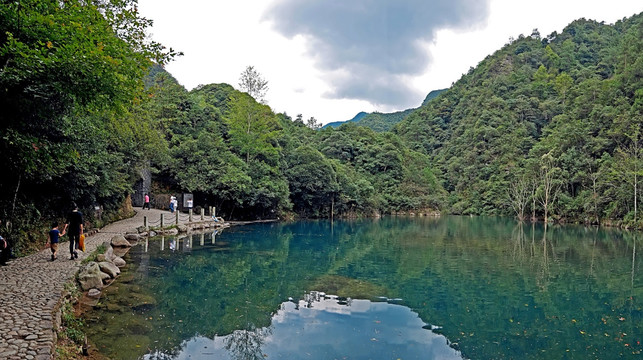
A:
[235,153]
[545,128]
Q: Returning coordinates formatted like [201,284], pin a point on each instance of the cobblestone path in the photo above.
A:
[31,288]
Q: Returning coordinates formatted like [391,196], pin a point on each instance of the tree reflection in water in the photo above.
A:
[246,344]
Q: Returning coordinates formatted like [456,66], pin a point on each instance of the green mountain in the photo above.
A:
[381,122]
[544,127]
[356,118]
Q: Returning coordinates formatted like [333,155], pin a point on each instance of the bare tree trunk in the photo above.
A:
[550,189]
[533,199]
[15,196]
[519,197]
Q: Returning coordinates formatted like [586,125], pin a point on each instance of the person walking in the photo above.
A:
[74,227]
[52,239]
[172,198]
[146,204]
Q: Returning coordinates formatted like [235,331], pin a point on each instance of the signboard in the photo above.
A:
[188,200]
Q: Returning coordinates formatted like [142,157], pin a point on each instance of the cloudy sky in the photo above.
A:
[331,59]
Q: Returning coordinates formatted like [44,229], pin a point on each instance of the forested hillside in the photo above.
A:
[236,154]
[381,122]
[545,127]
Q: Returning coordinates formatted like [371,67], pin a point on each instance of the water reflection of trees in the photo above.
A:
[429,264]
[246,344]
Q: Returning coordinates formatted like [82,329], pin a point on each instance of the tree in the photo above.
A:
[312,180]
[518,194]
[71,73]
[628,167]
[253,129]
[313,124]
[549,186]
[254,84]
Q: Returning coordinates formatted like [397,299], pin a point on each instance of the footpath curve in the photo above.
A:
[31,290]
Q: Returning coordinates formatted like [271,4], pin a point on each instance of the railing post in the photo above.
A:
[161,222]
[202,214]
[176,214]
[214,212]
[190,215]
[145,223]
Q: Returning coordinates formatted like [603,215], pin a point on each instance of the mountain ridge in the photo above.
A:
[381,122]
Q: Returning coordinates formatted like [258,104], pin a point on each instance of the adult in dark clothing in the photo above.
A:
[74,228]
[5,251]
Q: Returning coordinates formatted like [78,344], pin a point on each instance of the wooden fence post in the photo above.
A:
[190,215]
[145,223]
[202,214]
[177,217]
[161,222]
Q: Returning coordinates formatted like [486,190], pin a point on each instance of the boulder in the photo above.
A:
[120,241]
[183,228]
[118,261]
[109,253]
[109,268]
[152,233]
[132,237]
[101,257]
[94,293]
[104,277]
[119,252]
[90,281]
[91,268]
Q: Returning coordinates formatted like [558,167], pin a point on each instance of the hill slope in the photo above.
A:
[381,122]
[543,126]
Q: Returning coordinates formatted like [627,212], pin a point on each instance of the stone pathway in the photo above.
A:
[31,289]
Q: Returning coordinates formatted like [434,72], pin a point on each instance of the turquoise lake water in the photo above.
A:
[390,288]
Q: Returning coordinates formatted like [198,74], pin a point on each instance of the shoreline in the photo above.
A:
[33,288]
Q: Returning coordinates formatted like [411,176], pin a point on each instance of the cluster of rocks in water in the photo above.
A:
[95,275]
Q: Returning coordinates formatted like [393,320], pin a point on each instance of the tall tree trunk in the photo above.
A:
[15,197]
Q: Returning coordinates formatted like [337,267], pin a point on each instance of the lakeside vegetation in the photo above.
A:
[547,127]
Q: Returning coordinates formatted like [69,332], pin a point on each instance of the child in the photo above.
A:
[52,239]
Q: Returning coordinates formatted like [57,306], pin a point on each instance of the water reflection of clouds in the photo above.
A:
[364,330]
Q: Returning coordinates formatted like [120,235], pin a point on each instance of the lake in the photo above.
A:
[389,288]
